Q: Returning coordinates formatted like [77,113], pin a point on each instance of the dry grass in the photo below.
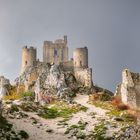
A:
[12,94]
[116,101]
[15,95]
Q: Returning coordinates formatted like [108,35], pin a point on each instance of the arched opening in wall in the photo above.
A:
[25,62]
[62,56]
[80,63]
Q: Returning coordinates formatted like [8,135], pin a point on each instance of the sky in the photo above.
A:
[109,28]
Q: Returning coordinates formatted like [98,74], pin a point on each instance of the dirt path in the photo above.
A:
[38,131]
[83,100]
[88,115]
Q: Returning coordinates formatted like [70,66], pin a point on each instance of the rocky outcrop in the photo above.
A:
[129,89]
[48,80]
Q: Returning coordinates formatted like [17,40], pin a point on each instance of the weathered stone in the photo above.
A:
[4,84]
[130,89]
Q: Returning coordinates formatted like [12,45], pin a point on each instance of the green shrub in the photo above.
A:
[4,125]
[99,131]
[50,113]
[60,109]
[23,134]
[27,94]
[14,108]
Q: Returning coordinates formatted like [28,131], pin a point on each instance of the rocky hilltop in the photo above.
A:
[57,100]
[48,103]
[49,80]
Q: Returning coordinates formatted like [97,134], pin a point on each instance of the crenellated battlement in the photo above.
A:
[29,48]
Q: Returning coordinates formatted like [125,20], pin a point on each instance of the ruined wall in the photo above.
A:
[29,57]
[55,52]
[68,65]
[80,57]
[130,88]
[4,86]
[84,76]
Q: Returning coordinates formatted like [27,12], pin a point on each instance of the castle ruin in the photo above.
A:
[57,53]
[129,89]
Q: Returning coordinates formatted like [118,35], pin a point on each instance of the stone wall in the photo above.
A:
[130,88]
[68,65]
[29,57]
[4,84]
[80,57]
[84,76]
[55,52]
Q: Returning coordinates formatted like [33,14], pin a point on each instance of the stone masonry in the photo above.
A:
[57,53]
[130,88]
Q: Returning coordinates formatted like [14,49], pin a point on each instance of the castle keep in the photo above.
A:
[56,53]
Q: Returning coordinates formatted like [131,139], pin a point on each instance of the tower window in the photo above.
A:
[25,62]
[55,52]
[80,63]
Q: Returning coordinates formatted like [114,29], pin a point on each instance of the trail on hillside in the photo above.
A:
[38,131]
[83,100]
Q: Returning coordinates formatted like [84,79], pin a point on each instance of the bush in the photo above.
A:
[23,134]
[102,96]
[122,107]
[116,101]
[27,94]
[4,125]
[60,109]
[14,108]
[99,131]
[50,113]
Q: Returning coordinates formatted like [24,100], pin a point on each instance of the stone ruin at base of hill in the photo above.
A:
[4,86]
[129,89]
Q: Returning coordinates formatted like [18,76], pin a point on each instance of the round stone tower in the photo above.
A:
[80,57]
[28,57]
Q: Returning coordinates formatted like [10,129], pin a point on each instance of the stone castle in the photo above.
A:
[57,53]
